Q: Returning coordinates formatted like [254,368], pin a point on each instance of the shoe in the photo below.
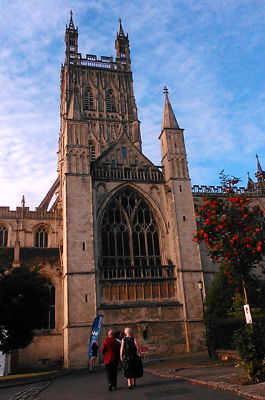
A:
[110,388]
[130,387]
[134,385]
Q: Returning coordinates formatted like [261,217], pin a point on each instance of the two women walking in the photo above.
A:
[128,352]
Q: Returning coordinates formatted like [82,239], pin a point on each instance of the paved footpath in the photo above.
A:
[216,377]
[81,385]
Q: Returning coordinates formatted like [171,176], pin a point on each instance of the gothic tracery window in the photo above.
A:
[88,101]
[41,237]
[110,101]
[129,233]
[3,236]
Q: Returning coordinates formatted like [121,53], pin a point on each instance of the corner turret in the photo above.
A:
[174,158]
[71,41]
[122,47]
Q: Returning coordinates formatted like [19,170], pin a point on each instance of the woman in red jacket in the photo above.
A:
[111,350]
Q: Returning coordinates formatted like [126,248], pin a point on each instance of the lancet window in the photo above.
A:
[129,234]
[48,320]
[88,101]
[91,150]
[110,101]
[122,51]
[41,237]
[3,236]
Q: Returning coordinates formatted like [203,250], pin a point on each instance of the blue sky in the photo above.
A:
[210,55]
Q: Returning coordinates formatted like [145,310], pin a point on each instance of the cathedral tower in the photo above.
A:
[127,224]
[97,107]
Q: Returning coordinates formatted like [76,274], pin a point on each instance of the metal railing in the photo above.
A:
[132,273]
[128,173]
[92,61]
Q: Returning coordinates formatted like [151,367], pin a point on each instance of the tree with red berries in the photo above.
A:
[232,229]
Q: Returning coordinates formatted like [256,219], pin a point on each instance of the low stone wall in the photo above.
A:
[45,352]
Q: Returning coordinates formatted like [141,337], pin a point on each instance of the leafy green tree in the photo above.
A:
[24,302]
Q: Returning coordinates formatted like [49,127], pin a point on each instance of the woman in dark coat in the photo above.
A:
[131,362]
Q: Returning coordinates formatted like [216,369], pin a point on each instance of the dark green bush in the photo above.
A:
[249,341]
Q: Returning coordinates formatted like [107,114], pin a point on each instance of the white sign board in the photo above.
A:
[247,314]
[4,364]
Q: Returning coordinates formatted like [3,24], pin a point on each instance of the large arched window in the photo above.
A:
[110,101]
[88,101]
[129,233]
[41,237]
[3,236]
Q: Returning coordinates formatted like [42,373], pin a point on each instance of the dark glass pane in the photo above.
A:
[52,295]
[156,244]
[52,318]
[137,261]
[112,250]
[142,244]
[104,240]
[124,152]
[150,243]
[126,243]
[135,244]
[3,236]
[119,244]
[45,239]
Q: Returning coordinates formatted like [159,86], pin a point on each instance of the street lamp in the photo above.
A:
[200,286]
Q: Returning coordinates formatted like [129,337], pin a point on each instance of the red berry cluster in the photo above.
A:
[231,229]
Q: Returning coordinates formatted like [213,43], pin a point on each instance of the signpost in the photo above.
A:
[247,314]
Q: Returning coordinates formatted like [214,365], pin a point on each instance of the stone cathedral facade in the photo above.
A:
[117,240]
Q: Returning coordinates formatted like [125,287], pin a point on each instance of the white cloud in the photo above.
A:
[209,54]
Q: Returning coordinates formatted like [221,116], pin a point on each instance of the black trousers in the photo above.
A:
[112,369]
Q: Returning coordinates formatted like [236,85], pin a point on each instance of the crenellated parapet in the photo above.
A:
[91,60]
[26,213]
[200,190]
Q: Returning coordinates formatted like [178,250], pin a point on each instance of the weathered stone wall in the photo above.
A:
[22,229]
[163,325]
[45,351]
[78,268]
